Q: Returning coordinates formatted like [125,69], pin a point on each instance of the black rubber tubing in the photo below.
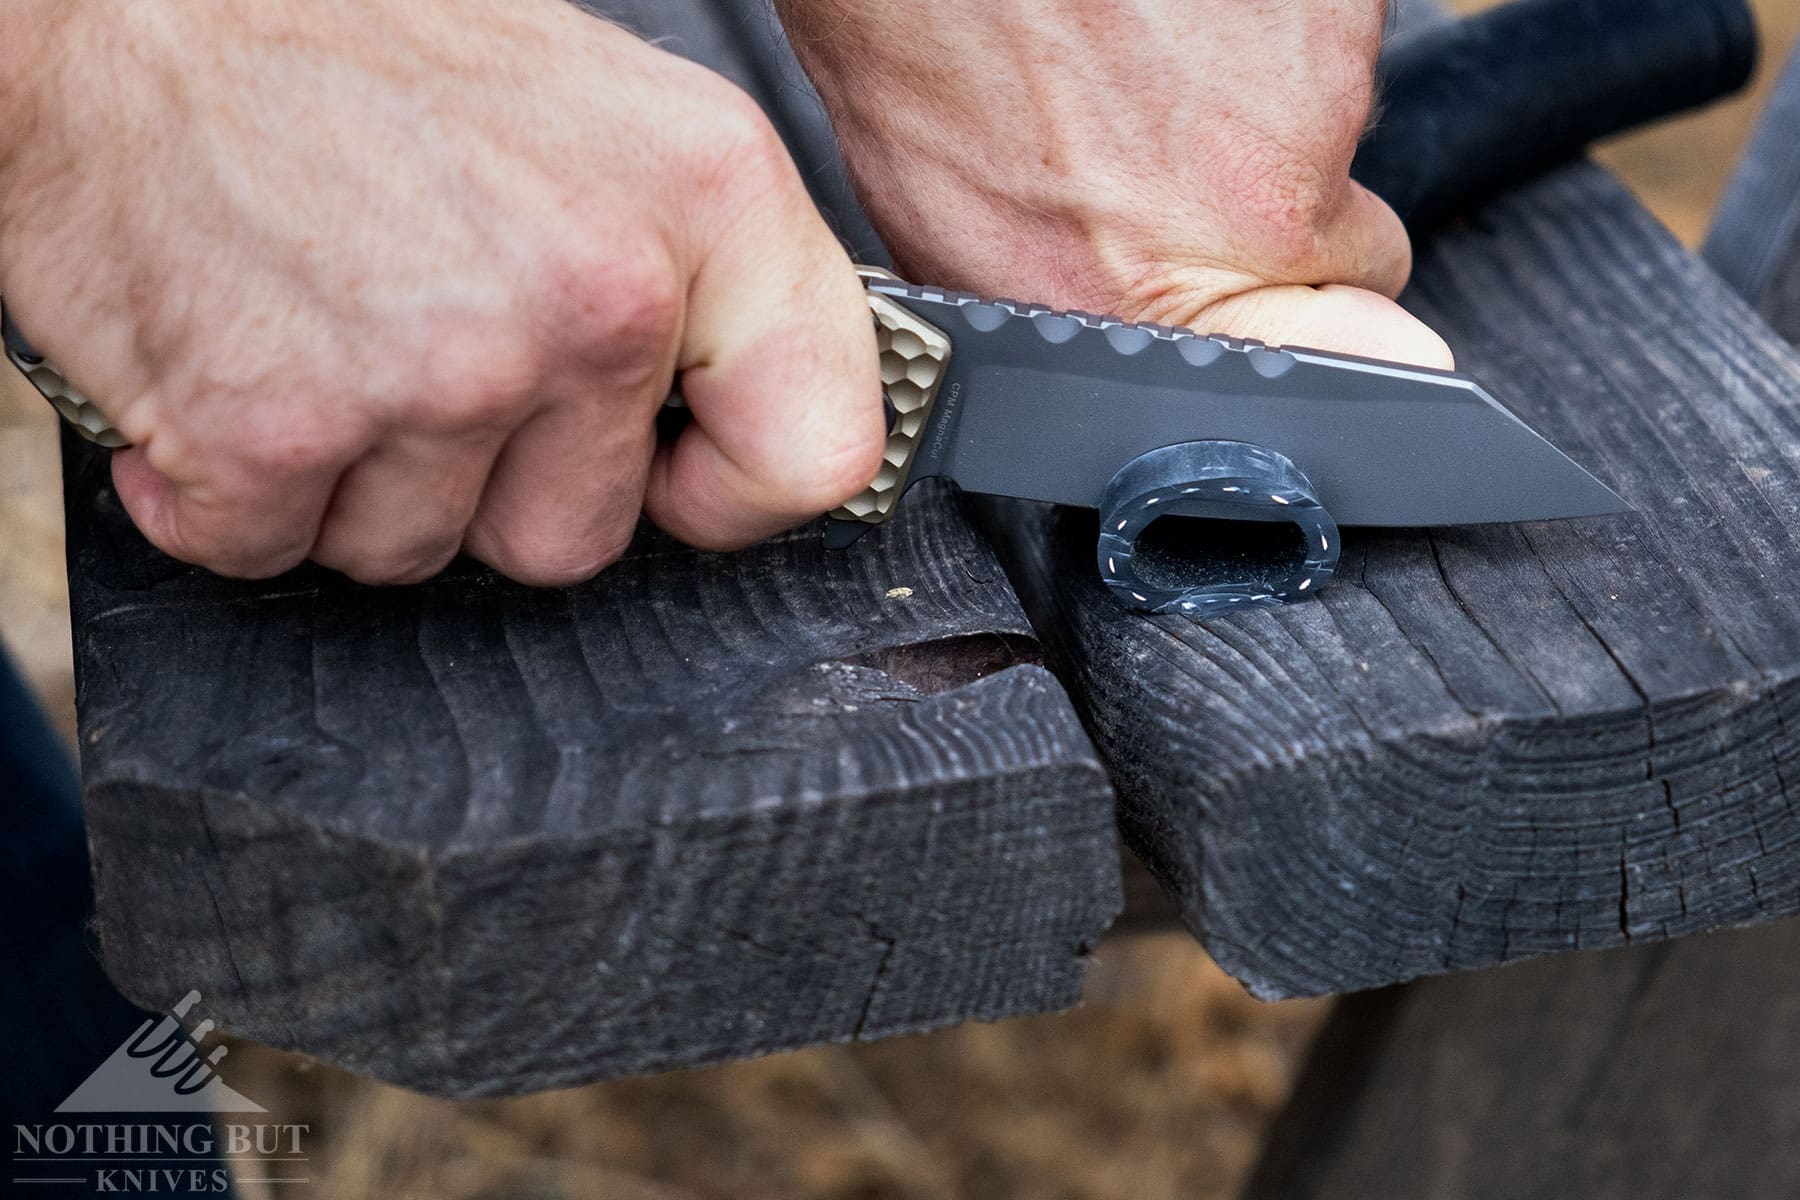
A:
[1470,107]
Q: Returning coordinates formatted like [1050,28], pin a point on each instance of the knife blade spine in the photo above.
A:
[1058,325]
[900,290]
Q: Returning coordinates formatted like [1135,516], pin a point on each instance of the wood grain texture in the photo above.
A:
[1486,744]
[475,838]
[1754,243]
[1662,1072]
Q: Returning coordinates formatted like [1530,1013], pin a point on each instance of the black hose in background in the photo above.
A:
[1469,107]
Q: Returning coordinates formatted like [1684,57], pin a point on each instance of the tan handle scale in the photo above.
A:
[913,357]
[75,408]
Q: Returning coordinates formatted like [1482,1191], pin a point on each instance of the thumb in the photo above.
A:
[780,371]
[1347,320]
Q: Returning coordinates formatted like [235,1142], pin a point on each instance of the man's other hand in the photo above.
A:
[1181,161]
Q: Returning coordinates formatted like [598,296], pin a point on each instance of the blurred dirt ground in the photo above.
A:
[1159,1087]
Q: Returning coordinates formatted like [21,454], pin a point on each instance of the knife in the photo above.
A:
[1158,428]
[1273,447]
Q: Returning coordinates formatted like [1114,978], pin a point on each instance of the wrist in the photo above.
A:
[1147,160]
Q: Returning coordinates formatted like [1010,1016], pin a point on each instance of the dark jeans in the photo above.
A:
[59,1017]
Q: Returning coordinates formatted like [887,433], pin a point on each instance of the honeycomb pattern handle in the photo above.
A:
[75,408]
[914,357]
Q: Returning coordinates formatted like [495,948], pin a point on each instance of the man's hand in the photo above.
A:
[373,283]
[1181,161]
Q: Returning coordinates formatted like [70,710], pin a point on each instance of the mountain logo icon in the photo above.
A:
[160,1068]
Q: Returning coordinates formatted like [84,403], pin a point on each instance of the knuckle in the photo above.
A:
[210,492]
[479,404]
[627,304]
[741,131]
[198,525]
[536,559]
[478,383]
[287,452]
[413,565]
[643,304]
[735,154]
[221,553]
[1282,200]
[240,437]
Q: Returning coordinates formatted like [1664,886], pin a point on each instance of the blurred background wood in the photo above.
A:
[1665,1072]
[34,587]
[1755,240]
